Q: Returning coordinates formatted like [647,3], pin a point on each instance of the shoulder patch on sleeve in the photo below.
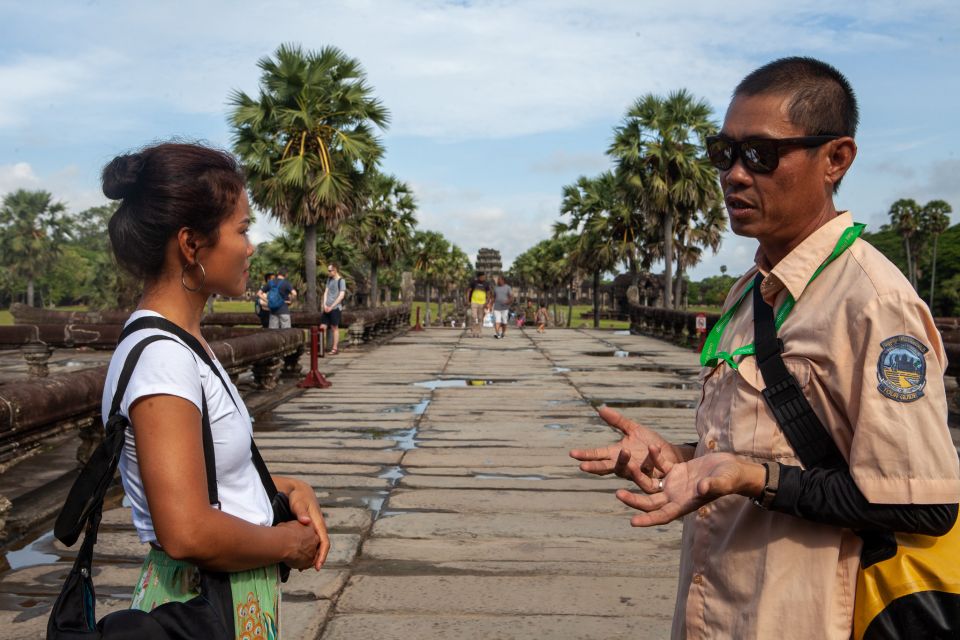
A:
[902,368]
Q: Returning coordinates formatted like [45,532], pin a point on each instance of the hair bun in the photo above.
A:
[120,177]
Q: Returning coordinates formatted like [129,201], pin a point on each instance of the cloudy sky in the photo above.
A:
[495,105]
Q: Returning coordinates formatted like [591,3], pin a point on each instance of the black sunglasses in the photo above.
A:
[761,155]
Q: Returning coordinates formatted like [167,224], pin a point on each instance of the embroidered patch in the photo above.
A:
[902,368]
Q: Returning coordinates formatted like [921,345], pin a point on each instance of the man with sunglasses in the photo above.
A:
[769,549]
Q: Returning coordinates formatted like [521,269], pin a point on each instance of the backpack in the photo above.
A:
[274,299]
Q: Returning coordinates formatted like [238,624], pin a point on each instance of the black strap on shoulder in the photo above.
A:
[809,438]
[161,323]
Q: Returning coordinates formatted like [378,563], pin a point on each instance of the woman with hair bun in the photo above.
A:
[182,228]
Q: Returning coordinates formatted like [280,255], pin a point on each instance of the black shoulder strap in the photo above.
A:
[158,322]
[84,502]
[161,323]
[809,438]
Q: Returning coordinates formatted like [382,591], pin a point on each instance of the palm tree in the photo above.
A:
[429,251]
[705,233]
[588,203]
[659,154]
[936,216]
[307,141]
[32,232]
[905,215]
[383,229]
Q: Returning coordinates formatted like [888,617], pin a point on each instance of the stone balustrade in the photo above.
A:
[36,409]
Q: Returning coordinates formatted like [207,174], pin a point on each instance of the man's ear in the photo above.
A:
[840,155]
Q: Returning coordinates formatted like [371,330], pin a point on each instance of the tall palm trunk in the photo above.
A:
[427,301]
[374,300]
[310,266]
[678,291]
[569,303]
[668,260]
[933,269]
[30,292]
[596,299]
[911,275]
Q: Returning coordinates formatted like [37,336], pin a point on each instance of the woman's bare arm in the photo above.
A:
[170,454]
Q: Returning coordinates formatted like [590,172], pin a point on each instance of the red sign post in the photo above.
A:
[315,379]
[701,330]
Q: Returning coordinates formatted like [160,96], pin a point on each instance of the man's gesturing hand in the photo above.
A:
[686,486]
[637,440]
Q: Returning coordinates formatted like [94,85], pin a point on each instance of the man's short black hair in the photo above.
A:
[267,276]
[822,101]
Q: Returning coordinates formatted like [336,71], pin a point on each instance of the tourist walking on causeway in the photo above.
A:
[182,228]
[478,297]
[543,317]
[769,545]
[502,299]
[333,295]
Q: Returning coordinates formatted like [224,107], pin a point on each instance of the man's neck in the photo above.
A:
[774,250]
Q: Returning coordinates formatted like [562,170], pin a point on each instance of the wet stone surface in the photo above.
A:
[441,463]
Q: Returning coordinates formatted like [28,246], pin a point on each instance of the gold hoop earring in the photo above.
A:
[183,281]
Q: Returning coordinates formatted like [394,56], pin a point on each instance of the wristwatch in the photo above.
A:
[770,486]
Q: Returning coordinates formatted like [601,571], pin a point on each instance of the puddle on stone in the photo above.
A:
[32,554]
[676,385]
[393,474]
[503,476]
[406,440]
[416,409]
[616,353]
[622,332]
[558,426]
[442,383]
[374,503]
[649,403]
[561,369]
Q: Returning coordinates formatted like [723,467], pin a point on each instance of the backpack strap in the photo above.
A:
[806,434]
[161,323]
[84,502]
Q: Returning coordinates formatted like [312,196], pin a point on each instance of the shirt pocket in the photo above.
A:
[754,429]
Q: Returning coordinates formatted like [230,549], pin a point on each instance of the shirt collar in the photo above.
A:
[796,269]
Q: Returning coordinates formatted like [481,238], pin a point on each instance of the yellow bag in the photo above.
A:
[918,589]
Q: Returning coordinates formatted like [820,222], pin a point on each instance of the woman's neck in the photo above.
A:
[176,304]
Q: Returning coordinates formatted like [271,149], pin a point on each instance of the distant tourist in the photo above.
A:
[502,299]
[260,300]
[809,455]
[280,294]
[181,228]
[479,299]
[542,318]
[333,295]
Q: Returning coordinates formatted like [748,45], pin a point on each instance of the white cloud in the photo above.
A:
[17,176]
[67,185]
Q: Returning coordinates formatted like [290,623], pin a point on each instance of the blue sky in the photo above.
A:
[495,105]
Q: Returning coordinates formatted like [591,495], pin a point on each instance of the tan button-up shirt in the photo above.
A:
[750,573]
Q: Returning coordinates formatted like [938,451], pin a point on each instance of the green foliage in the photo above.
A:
[33,230]
[307,141]
[710,291]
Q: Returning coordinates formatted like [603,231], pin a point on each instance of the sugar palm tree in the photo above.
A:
[659,154]
[588,202]
[429,250]
[905,215]
[383,229]
[307,140]
[936,216]
[33,229]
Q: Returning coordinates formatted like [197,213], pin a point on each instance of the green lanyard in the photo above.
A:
[710,357]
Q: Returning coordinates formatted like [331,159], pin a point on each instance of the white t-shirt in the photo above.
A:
[169,367]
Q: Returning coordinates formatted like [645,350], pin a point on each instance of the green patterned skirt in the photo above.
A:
[256,593]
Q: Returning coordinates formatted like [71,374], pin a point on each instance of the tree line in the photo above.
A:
[309,146]
[661,200]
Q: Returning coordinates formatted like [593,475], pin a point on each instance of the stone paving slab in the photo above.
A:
[499,626]
[618,596]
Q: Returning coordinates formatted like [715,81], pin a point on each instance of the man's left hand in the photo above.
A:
[687,486]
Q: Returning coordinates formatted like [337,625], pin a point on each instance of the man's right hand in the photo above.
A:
[636,440]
